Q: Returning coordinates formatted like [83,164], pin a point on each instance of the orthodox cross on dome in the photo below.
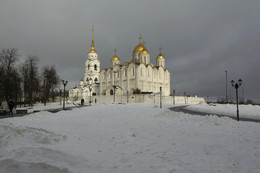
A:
[140,38]
[160,50]
[144,42]
[93,45]
[115,51]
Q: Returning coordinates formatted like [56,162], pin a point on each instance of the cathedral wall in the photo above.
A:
[142,98]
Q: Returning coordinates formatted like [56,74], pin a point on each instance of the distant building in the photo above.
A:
[137,76]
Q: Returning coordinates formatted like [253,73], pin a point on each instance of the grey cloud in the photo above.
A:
[200,39]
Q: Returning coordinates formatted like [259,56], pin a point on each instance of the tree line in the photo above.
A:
[24,82]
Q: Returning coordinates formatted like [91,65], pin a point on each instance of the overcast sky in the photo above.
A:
[200,38]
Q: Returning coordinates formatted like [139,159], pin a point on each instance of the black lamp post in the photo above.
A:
[236,86]
[161,97]
[173,94]
[114,86]
[226,87]
[184,97]
[64,84]
[60,96]
[90,89]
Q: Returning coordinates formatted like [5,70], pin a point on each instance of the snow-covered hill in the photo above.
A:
[117,138]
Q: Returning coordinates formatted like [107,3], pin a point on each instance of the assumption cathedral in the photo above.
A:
[138,76]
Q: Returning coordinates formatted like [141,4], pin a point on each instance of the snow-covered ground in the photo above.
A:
[245,111]
[40,106]
[115,138]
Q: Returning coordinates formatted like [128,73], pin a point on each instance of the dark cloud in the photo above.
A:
[200,39]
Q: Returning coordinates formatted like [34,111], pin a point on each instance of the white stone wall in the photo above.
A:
[142,98]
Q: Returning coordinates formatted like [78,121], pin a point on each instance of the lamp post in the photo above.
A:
[114,86]
[127,96]
[173,94]
[64,84]
[236,86]
[226,87]
[90,89]
[161,97]
[60,96]
[184,97]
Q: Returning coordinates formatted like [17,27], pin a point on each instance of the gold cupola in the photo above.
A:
[139,47]
[92,50]
[144,51]
[160,56]
[115,57]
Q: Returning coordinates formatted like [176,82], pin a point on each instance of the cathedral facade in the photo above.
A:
[138,76]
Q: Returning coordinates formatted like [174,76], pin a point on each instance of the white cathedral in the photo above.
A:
[139,76]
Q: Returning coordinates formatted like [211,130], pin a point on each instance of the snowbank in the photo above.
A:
[246,111]
[115,138]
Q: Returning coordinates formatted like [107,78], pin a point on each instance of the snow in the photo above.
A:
[115,138]
[245,111]
[48,106]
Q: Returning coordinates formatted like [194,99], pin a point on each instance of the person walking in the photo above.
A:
[4,106]
[11,106]
[82,102]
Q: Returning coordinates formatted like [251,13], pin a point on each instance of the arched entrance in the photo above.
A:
[111,92]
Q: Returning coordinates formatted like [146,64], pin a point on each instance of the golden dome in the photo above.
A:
[139,47]
[115,58]
[160,56]
[144,51]
[92,50]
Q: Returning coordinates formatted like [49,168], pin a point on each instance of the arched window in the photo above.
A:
[96,80]
[87,79]
[133,72]
[95,67]
[88,66]
[111,92]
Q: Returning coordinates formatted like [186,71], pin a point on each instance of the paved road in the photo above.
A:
[182,109]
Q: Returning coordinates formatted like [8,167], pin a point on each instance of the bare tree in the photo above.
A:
[8,59]
[30,76]
[51,81]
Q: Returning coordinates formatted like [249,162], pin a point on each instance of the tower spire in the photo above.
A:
[115,51]
[92,44]
[160,50]
[144,42]
[140,39]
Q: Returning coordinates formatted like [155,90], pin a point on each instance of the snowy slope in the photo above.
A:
[246,111]
[117,138]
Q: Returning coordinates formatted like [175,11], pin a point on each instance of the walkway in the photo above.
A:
[182,109]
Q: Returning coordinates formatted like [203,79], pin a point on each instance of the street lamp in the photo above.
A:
[226,87]
[90,89]
[115,86]
[173,94]
[184,97]
[161,97]
[60,96]
[64,84]
[236,86]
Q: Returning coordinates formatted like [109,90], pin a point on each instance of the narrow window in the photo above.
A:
[95,67]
